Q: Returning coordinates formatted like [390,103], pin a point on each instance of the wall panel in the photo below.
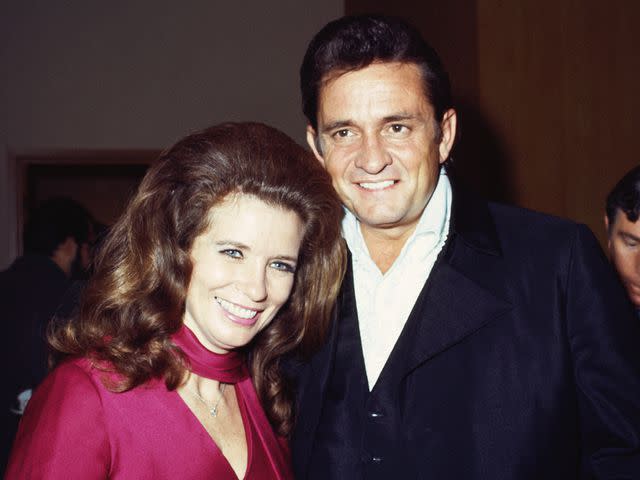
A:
[546,92]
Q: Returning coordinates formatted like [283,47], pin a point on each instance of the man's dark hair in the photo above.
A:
[625,196]
[52,222]
[354,42]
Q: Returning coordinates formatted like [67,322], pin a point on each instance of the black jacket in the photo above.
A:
[520,360]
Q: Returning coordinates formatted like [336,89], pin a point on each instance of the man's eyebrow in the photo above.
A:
[399,117]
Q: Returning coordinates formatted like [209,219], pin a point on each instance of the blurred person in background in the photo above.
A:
[56,251]
[623,232]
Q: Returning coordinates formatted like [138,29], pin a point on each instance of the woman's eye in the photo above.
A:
[232,252]
[284,267]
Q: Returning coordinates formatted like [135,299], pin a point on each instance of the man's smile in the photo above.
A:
[377,185]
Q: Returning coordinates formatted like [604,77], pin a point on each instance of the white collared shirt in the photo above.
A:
[384,302]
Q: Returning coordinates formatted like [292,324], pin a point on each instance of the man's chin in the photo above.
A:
[382,217]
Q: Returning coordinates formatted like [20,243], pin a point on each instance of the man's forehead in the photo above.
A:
[340,71]
[379,84]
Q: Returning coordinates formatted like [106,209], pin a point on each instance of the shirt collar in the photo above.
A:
[434,220]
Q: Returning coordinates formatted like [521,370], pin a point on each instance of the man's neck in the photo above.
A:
[385,245]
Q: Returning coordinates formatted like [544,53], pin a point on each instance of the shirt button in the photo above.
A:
[376,460]
[376,414]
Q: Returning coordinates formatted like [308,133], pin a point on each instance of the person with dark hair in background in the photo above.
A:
[56,250]
[472,340]
[228,257]
[623,232]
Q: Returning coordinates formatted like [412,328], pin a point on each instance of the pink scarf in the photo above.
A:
[231,368]
[228,368]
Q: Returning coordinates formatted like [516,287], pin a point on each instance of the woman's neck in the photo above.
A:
[228,368]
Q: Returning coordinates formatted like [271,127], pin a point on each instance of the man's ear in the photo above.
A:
[314,143]
[448,128]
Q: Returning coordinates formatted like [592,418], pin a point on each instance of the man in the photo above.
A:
[472,340]
[56,245]
[623,230]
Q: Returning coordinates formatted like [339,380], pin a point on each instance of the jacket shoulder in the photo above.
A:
[529,229]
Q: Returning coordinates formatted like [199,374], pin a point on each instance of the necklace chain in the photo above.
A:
[213,410]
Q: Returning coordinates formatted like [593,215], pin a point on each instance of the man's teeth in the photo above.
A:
[236,310]
[377,185]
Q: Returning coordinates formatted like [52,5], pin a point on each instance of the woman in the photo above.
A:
[228,257]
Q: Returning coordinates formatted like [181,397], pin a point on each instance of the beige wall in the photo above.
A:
[140,74]
[546,90]
[547,93]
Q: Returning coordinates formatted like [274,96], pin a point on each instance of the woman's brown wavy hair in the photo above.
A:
[135,299]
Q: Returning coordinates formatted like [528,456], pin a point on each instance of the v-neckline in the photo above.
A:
[248,432]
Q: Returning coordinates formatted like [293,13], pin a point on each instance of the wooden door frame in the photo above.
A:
[19,163]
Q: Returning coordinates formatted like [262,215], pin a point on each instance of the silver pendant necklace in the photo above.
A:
[213,409]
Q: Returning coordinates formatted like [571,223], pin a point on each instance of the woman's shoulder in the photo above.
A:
[65,407]
[76,380]
[82,370]
[74,366]
[84,376]
[72,381]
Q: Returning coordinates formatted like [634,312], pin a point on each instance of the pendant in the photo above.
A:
[214,411]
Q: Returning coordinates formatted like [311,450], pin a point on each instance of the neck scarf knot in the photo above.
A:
[227,368]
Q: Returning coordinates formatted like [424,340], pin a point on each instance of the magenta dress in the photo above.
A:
[74,427]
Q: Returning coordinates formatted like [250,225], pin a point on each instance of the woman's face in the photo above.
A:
[243,270]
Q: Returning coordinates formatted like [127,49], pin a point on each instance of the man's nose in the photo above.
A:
[373,157]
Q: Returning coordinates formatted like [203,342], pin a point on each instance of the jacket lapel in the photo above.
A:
[453,307]
[458,297]
[311,393]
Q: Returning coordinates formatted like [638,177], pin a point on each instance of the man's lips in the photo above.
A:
[380,185]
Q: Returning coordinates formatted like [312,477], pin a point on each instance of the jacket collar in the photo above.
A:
[472,221]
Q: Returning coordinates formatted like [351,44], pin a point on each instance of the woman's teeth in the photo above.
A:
[236,310]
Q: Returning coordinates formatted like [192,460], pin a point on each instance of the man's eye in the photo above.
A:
[283,266]
[398,128]
[343,133]
[232,252]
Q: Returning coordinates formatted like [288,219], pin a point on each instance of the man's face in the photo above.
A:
[624,250]
[377,139]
